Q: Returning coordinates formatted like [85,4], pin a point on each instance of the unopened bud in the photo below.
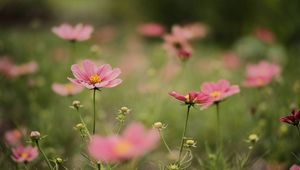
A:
[173,167]
[190,143]
[35,135]
[158,125]
[59,160]
[124,110]
[253,138]
[76,104]
[79,126]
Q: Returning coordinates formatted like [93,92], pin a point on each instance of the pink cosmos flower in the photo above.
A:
[191,98]
[178,45]
[190,31]
[135,141]
[13,137]
[6,67]
[295,167]
[94,77]
[23,69]
[261,74]
[79,32]
[21,154]
[218,91]
[231,60]
[68,89]
[264,35]
[151,30]
[292,119]
[10,70]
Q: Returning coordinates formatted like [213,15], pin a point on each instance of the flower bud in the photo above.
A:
[173,167]
[35,135]
[79,126]
[253,138]
[59,160]
[76,104]
[124,110]
[190,143]
[158,125]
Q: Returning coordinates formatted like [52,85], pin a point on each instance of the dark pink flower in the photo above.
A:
[218,91]
[264,35]
[295,167]
[151,29]
[13,137]
[95,77]
[191,98]
[178,45]
[68,89]
[79,32]
[292,119]
[21,154]
[261,74]
[135,141]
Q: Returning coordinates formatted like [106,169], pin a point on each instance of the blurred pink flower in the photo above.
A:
[292,119]
[178,45]
[6,66]
[27,68]
[264,35]
[94,77]
[151,30]
[135,141]
[10,70]
[68,89]
[261,74]
[190,31]
[295,167]
[13,137]
[231,60]
[218,91]
[21,154]
[79,32]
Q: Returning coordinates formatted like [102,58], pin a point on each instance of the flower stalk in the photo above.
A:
[44,155]
[94,103]
[183,134]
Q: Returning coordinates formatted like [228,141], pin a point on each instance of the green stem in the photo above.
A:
[164,141]
[120,127]
[183,134]
[218,122]
[82,121]
[44,155]
[94,102]
[98,166]
[298,129]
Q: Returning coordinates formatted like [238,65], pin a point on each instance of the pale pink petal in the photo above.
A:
[113,83]
[89,67]
[112,75]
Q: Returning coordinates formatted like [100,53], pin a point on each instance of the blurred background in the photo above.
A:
[148,74]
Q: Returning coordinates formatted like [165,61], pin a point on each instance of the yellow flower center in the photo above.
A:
[24,155]
[215,94]
[69,87]
[94,79]
[259,82]
[187,97]
[122,148]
